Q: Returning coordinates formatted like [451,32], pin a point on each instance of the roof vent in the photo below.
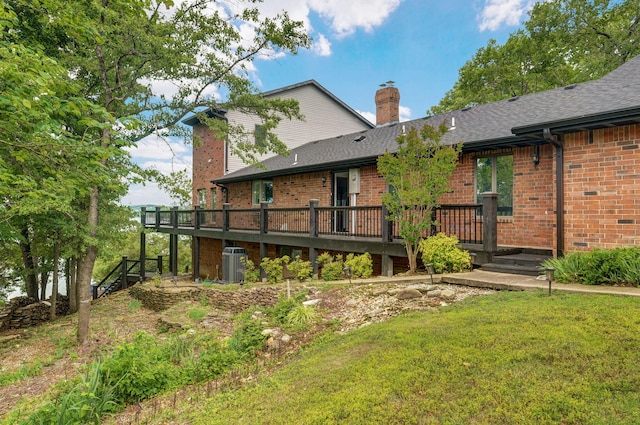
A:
[360,138]
[570,87]
[514,98]
[466,108]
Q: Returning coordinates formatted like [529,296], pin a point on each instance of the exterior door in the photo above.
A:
[341,199]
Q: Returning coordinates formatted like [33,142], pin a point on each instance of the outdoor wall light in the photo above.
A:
[430,270]
[535,157]
[550,272]
[324,182]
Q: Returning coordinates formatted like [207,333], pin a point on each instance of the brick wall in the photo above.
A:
[602,188]
[208,162]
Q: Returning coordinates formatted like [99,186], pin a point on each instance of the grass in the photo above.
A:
[512,358]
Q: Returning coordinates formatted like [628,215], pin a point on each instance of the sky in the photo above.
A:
[358,45]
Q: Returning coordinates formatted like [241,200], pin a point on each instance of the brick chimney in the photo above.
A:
[387,105]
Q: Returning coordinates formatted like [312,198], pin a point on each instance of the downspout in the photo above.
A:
[225,192]
[553,140]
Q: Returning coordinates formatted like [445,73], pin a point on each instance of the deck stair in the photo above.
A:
[518,261]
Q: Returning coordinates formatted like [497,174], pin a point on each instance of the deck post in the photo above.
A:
[159,264]
[123,273]
[173,244]
[225,217]
[143,245]
[264,217]
[196,244]
[490,223]
[387,235]
[313,232]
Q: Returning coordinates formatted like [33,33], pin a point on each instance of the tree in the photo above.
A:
[562,42]
[418,176]
[122,53]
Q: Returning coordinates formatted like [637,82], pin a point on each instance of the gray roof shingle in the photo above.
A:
[616,96]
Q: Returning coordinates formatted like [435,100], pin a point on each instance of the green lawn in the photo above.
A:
[510,358]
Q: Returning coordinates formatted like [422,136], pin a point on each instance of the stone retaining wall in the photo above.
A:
[234,301]
[23,312]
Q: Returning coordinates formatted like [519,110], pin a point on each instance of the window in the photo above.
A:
[214,198]
[495,174]
[260,134]
[262,191]
[202,198]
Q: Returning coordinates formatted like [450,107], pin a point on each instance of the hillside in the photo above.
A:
[36,359]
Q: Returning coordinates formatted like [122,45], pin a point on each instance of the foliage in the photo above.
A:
[418,176]
[247,339]
[444,253]
[251,273]
[196,314]
[302,269]
[507,358]
[562,42]
[361,266]
[72,83]
[274,268]
[302,316]
[331,267]
[86,403]
[281,309]
[618,266]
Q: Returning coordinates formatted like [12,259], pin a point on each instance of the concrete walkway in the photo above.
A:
[505,281]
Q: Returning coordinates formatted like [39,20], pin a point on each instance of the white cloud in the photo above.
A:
[370,116]
[321,46]
[405,113]
[497,13]
[347,17]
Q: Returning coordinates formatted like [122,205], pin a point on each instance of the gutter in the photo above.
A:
[558,144]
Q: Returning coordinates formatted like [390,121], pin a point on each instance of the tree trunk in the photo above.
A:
[54,284]
[85,270]
[31,280]
[412,254]
[72,288]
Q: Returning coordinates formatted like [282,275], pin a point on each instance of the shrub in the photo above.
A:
[251,273]
[281,309]
[196,314]
[620,266]
[333,269]
[247,339]
[361,265]
[302,269]
[443,252]
[274,268]
[301,316]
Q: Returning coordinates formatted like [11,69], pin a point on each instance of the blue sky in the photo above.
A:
[359,44]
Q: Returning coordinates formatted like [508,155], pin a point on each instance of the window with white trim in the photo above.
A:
[262,191]
[495,174]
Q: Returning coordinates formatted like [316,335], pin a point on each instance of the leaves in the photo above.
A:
[418,175]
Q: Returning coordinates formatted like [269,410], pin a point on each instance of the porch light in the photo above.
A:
[324,181]
[430,270]
[535,157]
[550,272]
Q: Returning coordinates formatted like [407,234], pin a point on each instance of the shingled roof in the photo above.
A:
[611,100]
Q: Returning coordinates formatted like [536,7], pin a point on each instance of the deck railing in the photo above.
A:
[463,221]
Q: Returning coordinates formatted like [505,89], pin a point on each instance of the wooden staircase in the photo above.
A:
[518,261]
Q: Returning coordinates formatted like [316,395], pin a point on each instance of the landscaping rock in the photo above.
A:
[407,294]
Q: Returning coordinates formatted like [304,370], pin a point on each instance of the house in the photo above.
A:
[212,157]
[564,163]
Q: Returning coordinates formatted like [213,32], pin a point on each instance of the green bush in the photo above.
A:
[274,268]
[302,316]
[247,339]
[302,269]
[620,266]
[361,265]
[281,309]
[251,273]
[443,252]
[85,403]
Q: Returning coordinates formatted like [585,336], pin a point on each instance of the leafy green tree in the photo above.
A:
[121,54]
[418,176]
[562,42]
